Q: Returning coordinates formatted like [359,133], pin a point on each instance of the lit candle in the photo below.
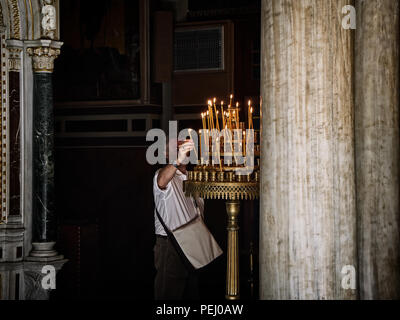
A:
[248,113]
[230,120]
[222,114]
[203,120]
[216,114]
[195,151]
[211,114]
[244,143]
[237,115]
[219,154]
[201,155]
[230,101]
[251,117]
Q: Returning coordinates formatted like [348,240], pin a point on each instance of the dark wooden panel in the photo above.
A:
[163,46]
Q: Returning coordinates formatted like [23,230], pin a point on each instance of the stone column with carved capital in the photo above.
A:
[43,58]
[43,53]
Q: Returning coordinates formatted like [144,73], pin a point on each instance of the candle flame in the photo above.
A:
[209,102]
[249,103]
[251,110]
[215,99]
[237,104]
[222,103]
[231,96]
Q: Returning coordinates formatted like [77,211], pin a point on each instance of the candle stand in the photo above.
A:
[208,183]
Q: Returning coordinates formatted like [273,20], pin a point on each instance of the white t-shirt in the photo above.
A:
[173,206]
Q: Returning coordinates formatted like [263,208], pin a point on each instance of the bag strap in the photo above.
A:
[175,243]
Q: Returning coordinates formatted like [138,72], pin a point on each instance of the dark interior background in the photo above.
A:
[103,183]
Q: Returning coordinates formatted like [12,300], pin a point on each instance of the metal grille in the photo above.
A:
[200,49]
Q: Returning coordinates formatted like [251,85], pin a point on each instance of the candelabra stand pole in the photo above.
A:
[232,273]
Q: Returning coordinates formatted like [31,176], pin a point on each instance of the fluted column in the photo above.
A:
[308,214]
[377,147]
[43,53]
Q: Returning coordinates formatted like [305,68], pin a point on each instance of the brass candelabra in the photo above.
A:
[222,179]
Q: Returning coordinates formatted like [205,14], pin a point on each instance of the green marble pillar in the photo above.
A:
[43,216]
[44,224]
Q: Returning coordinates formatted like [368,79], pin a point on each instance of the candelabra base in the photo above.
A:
[232,192]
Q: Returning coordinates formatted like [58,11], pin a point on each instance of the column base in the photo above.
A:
[229,297]
[42,250]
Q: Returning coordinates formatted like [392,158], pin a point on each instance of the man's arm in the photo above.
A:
[167,173]
[165,176]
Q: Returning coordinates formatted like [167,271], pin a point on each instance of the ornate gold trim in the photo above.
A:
[222,190]
[15,28]
[3,131]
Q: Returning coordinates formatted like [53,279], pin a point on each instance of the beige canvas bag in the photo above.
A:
[195,241]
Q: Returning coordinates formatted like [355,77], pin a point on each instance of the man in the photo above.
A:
[174,280]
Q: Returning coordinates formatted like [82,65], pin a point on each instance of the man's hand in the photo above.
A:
[167,173]
[184,149]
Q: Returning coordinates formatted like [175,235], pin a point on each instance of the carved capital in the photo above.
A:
[14,48]
[33,286]
[43,58]
[14,59]
[35,270]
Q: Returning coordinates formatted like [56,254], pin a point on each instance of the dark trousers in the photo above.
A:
[173,280]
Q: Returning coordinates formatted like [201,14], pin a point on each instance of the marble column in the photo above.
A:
[377,147]
[43,53]
[307,211]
